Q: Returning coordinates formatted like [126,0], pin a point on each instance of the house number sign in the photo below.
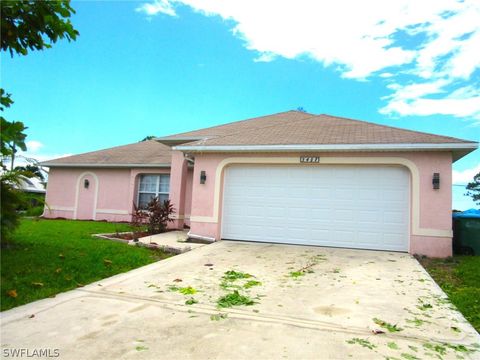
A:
[310,159]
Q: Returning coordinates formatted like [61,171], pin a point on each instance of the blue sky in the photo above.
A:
[162,67]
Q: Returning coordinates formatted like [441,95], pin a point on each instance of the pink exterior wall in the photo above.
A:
[436,247]
[110,196]
[188,196]
[434,210]
[112,192]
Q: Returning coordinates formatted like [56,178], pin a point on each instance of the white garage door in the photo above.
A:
[364,207]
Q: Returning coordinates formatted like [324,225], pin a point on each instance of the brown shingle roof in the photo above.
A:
[286,128]
[146,153]
[307,129]
[240,126]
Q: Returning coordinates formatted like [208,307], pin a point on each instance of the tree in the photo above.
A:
[147,138]
[473,189]
[35,24]
[12,199]
[29,25]
[13,136]
[26,25]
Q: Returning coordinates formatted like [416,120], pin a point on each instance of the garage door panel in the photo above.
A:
[394,217]
[275,212]
[395,194]
[392,241]
[368,238]
[369,217]
[368,194]
[344,193]
[320,215]
[347,206]
[320,193]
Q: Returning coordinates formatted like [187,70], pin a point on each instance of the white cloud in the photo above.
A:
[428,48]
[265,57]
[34,145]
[465,176]
[413,100]
[157,7]
[386,75]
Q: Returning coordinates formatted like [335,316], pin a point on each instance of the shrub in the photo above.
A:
[159,215]
[155,217]
[11,200]
[34,211]
[137,224]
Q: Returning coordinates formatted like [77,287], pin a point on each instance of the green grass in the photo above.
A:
[459,278]
[47,257]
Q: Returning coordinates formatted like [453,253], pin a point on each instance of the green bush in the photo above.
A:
[34,211]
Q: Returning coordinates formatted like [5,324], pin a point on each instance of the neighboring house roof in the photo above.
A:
[31,185]
[142,154]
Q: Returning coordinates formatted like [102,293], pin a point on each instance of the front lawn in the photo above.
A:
[459,277]
[47,257]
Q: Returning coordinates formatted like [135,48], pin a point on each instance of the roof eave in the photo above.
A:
[179,140]
[458,149]
[99,165]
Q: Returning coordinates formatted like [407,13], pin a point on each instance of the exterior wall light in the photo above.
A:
[86,183]
[436,181]
[203,177]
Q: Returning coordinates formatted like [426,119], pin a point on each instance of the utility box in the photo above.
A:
[466,232]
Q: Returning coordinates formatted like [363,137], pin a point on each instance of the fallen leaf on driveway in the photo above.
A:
[208,264]
[178,280]
[31,316]
[12,293]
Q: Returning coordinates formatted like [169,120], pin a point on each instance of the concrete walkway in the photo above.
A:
[172,240]
[338,307]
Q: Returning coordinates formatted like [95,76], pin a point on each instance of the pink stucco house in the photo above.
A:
[291,177]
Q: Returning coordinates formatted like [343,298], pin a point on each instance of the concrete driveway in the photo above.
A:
[326,311]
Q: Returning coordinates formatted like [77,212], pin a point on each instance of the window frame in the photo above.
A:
[157,187]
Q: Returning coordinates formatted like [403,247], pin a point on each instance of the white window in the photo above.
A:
[151,186]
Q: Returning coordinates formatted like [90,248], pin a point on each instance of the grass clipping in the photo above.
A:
[234,299]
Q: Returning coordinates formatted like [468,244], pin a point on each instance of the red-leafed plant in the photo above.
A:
[159,215]
[155,216]
[137,224]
